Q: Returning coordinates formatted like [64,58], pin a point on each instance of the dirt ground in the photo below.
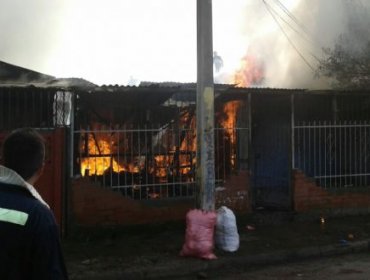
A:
[92,252]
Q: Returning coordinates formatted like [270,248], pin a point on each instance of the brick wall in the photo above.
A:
[92,205]
[236,193]
[307,196]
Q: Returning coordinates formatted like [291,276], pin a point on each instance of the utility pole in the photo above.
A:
[205,169]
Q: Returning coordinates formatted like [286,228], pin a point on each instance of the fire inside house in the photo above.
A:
[153,162]
[146,161]
[136,146]
[128,154]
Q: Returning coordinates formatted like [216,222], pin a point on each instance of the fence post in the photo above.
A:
[292,128]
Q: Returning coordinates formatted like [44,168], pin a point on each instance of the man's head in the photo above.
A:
[24,151]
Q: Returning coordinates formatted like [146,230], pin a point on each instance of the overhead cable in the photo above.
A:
[270,10]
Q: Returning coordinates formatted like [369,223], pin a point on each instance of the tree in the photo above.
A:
[348,67]
[348,63]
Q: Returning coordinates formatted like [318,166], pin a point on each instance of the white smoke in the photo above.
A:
[110,41]
[290,42]
[29,31]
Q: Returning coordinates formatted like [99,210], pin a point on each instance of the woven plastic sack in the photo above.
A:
[226,236]
[199,236]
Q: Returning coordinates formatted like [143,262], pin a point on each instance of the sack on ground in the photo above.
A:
[199,236]
[227,236]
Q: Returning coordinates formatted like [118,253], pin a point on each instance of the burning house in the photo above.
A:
[126,155]
[140,143]
[277,149]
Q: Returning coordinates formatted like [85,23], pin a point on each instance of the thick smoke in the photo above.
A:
[96,40]
[291,42]
[325,22]
[29,31]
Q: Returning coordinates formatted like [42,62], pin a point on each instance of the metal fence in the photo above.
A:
[336,154]
[153,163]
[34,107]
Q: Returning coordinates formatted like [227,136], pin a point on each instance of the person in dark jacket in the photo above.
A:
[29,236]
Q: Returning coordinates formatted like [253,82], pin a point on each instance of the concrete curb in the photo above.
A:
[183,266]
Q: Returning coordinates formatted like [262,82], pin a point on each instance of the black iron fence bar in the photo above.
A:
[342,175]
[122,130]
[158,184]
[150,185]
[140,150]
[332,126]
[333,152]
[154,130]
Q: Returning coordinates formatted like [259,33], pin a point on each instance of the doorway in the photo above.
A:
[270,151]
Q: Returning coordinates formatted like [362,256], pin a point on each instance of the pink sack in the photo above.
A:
[199,234]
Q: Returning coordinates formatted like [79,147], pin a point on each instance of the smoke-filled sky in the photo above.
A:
[123,41]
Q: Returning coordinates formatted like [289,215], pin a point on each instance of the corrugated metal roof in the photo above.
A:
[16,74]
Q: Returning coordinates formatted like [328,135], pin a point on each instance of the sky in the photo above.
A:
[128,41]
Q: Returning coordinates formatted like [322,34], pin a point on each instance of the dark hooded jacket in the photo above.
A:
[29,236]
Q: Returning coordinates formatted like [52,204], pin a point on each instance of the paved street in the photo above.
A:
[345,267]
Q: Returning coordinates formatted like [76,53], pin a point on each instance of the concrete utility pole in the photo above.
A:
[205,173]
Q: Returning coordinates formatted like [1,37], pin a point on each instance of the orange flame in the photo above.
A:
[190,142]
[251,72]
[101,148]
[229,122]
[162,165]
[98,164]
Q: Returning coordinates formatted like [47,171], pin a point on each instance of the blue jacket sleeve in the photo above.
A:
[47,258]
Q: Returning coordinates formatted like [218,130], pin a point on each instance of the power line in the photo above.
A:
[289,14]
[310,38]
[269,9]
[296,31]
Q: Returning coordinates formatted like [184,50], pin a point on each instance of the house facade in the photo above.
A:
[127,155]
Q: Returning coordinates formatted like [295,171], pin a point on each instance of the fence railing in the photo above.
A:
[148,163]
[41,108]
[336,154]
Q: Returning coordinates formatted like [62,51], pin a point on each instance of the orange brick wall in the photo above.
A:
[93,205]
[308,196]
[236,193]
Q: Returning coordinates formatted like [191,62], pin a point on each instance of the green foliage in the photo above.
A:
[347,65]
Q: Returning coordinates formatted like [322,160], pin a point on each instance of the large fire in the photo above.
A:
[101,152]
[250,72]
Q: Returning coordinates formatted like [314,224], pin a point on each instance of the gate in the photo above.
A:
[50,184]
[48,110]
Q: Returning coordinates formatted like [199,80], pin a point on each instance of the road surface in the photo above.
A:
[344,267]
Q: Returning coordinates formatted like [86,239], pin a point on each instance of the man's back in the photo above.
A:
[29,238]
